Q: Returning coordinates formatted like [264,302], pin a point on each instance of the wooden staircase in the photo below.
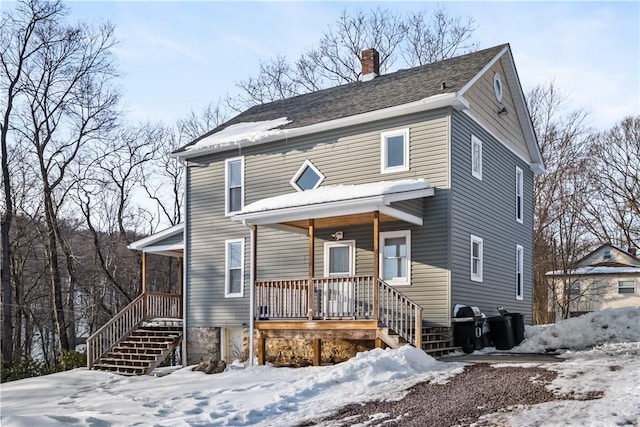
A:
[141,351]
[437,341]
[138,338]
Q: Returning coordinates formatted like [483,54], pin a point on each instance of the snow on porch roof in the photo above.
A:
[594,270]
[337,200]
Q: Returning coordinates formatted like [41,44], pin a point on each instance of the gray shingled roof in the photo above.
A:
[389,90]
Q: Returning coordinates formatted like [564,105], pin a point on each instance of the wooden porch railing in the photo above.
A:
[400,314]
[334,297]
[145,306]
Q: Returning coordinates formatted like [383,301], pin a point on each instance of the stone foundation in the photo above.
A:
[202,344]
[299,352]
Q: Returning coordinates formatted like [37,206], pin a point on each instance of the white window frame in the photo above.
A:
[395,281]
[351,244]
[519,273]
[519,195]
[227,254]
[307,164]
[227,200]
[384,136]
[498,87]
[476,141]
[627,287]
[477,277]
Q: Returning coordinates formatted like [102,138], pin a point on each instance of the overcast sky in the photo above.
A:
[179,56]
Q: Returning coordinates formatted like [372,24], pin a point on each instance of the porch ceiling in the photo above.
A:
[340,221]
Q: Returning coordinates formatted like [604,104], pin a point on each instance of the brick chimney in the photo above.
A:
[370,64]
[632,251]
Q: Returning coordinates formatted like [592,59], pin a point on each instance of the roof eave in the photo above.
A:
[139,245]
[452,99]
[336,208]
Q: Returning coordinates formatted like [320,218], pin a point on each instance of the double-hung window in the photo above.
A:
[395,257]
[234,268]
[476,258]
[627,287]
[394,151]
[519,272]
[519,195]
[476,157]
[234,185]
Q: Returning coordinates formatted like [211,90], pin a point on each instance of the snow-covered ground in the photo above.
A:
[282,396]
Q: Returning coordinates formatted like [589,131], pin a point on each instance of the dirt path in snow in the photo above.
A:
[480,390]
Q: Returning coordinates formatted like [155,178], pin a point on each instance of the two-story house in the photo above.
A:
[607,277]
[364,211]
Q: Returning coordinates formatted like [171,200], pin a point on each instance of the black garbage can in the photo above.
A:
[467,328]
[501,331]
[517,323]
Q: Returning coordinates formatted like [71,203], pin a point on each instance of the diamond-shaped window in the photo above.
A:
[308,177]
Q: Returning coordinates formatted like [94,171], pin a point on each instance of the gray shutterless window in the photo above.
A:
[234,266]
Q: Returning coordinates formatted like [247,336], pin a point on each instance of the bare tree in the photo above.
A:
[418,37]
[615,212]
[65,101]
[18,44]
[560,237]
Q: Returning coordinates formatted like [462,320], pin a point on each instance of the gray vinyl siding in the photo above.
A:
[346,156]
[487,209]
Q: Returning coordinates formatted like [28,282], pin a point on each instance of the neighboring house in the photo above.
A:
[608,277]
[363,211]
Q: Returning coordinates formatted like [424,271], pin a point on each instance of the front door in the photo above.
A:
[339,262]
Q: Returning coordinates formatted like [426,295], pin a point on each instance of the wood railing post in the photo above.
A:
[311,267]
[418,314]
[376,263]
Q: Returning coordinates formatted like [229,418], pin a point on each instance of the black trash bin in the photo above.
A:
[517,322]
[501,332]
[467,328]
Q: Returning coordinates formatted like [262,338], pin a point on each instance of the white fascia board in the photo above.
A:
[408,195]
[324,210]
[171,250]
[481,72]
[536,163]
[401,215]
[431,103]
[337,208]
[139,245]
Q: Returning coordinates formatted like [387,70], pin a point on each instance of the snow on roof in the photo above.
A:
[335,193]
[585,271]
[246,131]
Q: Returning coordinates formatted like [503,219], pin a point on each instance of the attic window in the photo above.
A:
[607,254]
[497,86]
[308,177]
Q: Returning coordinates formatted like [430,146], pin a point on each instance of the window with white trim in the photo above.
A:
[395,257]
[476,258]
[476,157]
[519,195]
[575,288]
[627,287]
[519,272]
[234,185]
[308,177]
[394,151]
[234,268]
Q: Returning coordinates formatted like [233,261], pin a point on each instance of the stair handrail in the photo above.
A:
[129,318]
[400,313]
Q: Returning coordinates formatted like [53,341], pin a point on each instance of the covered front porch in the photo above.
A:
[338,304]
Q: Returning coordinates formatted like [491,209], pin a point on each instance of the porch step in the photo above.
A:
[437,341]
[391,339]
[142,350]
[439,352]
